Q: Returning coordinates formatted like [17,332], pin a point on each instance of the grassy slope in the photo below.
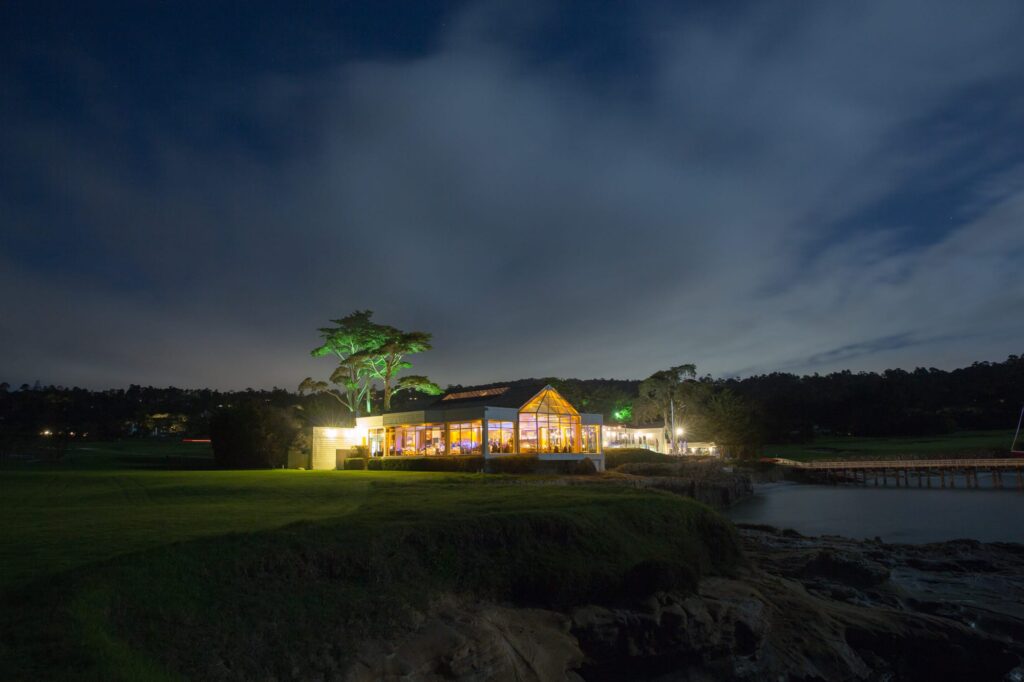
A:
[114,574]
[963,443]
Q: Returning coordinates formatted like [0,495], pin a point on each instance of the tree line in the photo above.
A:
[768,408]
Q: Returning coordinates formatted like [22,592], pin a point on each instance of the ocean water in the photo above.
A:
[908,515]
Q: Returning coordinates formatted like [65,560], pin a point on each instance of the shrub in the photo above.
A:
[688,468]
[360,451]
[462,463]
[252,436]
[374,464]
[576,467]
[354,463]
[513,464]
[614,457]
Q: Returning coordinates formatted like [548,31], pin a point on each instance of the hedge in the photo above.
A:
[532,464]
[508,464]
[614,457]
[513,464]
[464,463]
[576,467]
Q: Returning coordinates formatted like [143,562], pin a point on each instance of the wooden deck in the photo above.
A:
[944,472]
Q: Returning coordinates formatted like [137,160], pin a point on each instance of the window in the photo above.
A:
[589,437]
[465,438]
[421,439]
[375,442]
[549,424]
[500,437]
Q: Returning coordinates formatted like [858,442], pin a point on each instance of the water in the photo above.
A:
[908,515]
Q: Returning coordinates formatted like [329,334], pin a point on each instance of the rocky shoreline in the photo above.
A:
[803,608]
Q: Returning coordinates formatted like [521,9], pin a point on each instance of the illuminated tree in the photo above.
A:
[367,351]
[416,382]
[348,341]
[387,358]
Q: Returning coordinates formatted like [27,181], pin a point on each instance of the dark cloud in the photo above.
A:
[804,188]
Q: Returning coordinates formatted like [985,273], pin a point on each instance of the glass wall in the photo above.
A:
[590,436]
[465,438]
[421,439]
[549,424]
[375,442]
[500,437]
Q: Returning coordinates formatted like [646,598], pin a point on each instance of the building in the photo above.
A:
[652,438]
[492,421]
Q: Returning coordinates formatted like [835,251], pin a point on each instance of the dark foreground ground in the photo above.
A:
[115,573]
[801,609]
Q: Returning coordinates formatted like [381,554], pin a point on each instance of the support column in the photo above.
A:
[485,446]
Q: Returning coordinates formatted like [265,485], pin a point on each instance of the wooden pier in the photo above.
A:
[920,473]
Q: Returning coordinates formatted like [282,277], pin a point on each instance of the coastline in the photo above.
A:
[801,608]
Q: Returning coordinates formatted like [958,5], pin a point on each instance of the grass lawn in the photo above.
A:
[151,574]
[964,443]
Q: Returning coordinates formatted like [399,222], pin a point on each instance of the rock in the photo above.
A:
[847,568]
[803,608]
[475,641]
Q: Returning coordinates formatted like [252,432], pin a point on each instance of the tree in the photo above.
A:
[387,358]
[726,418]
[367,351]
[252,436]
[349,340]
[418,383]
[662,395]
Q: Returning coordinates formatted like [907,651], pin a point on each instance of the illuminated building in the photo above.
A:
[494,421]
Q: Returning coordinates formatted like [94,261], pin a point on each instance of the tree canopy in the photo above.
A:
[366,352]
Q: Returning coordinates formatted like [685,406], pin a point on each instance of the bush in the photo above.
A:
[252,436]
[360,451]
[461,463]
[577,467]
[614,457]
[513,464]
[354,463]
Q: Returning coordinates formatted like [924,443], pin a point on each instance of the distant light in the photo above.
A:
[47,432]
[679,431]
[331,433]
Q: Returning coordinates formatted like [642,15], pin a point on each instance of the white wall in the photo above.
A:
[327,441]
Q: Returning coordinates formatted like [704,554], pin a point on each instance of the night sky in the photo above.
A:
[187,191]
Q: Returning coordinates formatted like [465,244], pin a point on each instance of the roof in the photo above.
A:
[491,395]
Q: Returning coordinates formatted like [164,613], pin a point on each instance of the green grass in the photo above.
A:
[135,454]
[143,574]
[964,443]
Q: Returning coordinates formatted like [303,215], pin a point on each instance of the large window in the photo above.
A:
[465,438]
[500,437]
[422,439]
[590,437]
[375,442]
[549,424]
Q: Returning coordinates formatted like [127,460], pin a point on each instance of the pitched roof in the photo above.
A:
[513,394]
